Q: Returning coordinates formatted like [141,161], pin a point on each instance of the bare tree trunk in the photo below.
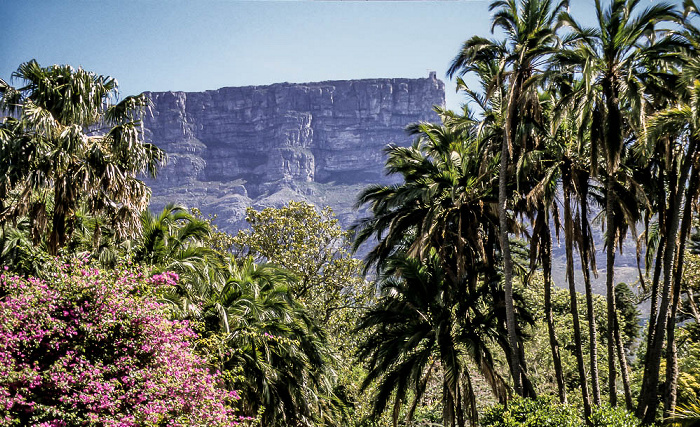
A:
[656,279]
[622,360]
[651,327]
[655,294]
[648,401]
[671,361]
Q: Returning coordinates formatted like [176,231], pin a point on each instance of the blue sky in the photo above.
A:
[200,45]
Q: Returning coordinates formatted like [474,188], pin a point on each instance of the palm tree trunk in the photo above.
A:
[610,288]
[658,261]
[568,238]
[655,292]
[671,351]
[592,335]
[505,249]
[585,269]
[671,359]
[553,343]
[648,401]
[622,360]
[58,222]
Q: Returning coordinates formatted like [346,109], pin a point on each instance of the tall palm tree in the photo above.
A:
[538,174]
[677,126]
[570,127]
[444,208]
[530,28]
[608,57]
[68,140]
[562,167]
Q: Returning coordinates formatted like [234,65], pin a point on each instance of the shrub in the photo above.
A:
[606,416]
[546,412]
[540,412]
[93,347]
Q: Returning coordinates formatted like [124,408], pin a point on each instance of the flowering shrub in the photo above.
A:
[87,347]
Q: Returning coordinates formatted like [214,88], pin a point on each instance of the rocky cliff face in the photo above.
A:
[264,145]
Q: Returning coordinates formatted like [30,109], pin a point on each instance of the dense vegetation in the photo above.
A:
[111,314]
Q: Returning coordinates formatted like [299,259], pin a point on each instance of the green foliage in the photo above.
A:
[686,414]
[312,246]
[426,327]
[628,313]
[546,412]
[606,416]
[537,351]
[269,348]
[688,340]
[57,156]
[18,253]
[541,412]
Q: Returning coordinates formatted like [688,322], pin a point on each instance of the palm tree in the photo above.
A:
[272,343]
[608,58]
[175,240]
[559,165]
[423,327]
[443,210]
[446,200]
[530,27]
[18,252]
[677,126]
[66,143]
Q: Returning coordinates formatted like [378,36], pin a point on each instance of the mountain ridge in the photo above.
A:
[263,145]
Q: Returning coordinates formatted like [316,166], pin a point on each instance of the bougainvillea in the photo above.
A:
[93,347]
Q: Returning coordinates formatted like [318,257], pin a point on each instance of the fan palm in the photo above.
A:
[66,141]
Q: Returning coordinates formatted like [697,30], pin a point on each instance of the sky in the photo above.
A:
[198,45]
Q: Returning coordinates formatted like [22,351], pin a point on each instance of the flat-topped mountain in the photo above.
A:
[319,142]
[264,145]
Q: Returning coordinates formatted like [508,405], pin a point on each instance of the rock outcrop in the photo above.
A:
[264,145]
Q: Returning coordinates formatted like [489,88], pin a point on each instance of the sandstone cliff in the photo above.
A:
[264,145]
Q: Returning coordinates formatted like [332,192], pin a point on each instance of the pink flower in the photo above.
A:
[101,354]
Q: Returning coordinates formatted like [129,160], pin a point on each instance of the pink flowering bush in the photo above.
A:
[93,347]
